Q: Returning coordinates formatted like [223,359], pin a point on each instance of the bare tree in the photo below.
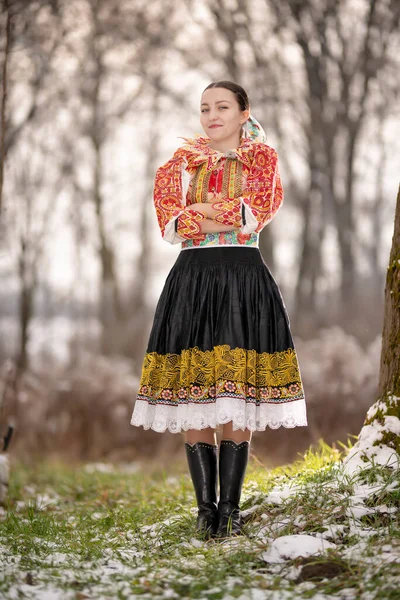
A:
[36,27]
[35,189]
[345,51]
[4,85]
[139,317]
[121,42]
[232,48]
[99,42]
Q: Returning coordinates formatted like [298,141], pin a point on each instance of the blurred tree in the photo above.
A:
[6,15]
[32,26]
[138,318]
[102,38]
[232,48]
[348,58]
[120,58]
[26,27]
[35,189]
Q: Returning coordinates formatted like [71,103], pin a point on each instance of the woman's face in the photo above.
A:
[220,114]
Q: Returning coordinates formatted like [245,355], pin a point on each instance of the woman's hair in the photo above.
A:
[240,93]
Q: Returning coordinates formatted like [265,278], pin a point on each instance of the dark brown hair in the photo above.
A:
[240,93]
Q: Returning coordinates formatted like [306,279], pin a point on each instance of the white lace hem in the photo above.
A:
[243,415]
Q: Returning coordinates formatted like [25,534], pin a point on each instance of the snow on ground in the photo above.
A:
[288,547]
[283,532]
[368,447]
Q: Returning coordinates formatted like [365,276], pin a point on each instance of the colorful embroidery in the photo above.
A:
[201,184]
[189,223]
[199,150]
[250,172]
[229,212]
[226,238]
[201,376]
[232,179]
[263,194]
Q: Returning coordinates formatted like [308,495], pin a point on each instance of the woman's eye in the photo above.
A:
[206,109]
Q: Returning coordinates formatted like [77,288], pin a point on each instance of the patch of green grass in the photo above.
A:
[121,533]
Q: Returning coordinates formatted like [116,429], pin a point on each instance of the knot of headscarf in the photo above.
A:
[253,130]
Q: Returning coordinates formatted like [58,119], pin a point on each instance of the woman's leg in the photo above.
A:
[201,435]
[236,436]
[208,435]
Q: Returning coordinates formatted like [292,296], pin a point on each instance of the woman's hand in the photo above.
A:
[210,226]
[205,208]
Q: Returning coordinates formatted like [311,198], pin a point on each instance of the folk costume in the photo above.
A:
[220,348]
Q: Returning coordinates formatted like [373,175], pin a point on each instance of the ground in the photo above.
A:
[314,529]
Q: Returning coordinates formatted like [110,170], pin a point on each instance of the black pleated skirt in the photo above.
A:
[220,348]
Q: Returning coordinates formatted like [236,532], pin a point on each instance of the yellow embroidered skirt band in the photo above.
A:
[220,348]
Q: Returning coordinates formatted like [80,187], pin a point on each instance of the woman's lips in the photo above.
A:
[214,126]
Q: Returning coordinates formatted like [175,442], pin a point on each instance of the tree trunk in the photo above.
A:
[138,329]
[389,379]
[4,100]
[311,242]
[25,317]
[110,301]
[26,298]
[380,436]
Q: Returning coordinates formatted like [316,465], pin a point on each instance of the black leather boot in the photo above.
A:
[233,459]
[203,465]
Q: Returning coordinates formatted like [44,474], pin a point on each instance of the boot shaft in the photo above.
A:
[203,466]
[233,459]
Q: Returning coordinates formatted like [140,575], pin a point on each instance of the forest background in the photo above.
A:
[94,96]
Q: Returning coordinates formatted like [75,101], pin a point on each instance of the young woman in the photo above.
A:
[220,351]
